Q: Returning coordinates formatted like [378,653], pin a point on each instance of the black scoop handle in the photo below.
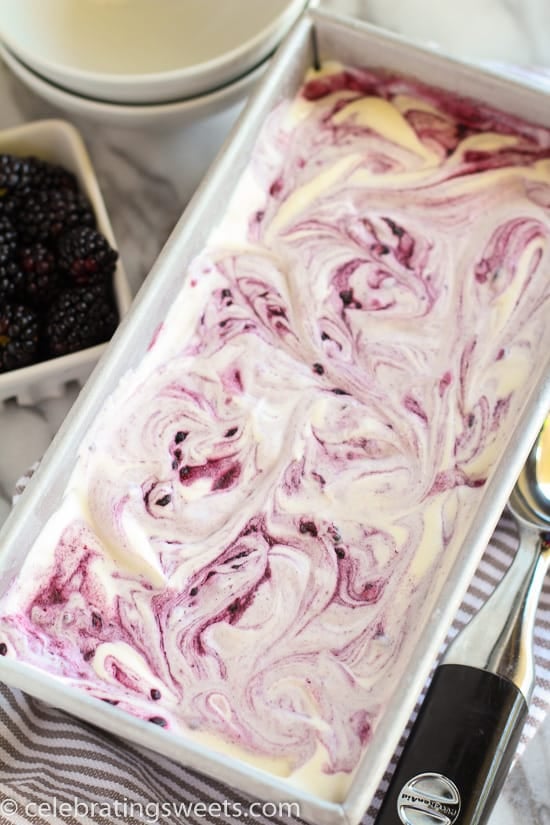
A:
[459,750]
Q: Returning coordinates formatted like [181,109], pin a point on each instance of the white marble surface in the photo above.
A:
[146,181]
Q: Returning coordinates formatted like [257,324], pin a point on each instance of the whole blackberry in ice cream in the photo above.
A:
[18,336]
[78,318]
[86,256]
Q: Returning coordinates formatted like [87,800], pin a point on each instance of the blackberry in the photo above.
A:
[44,215]
[13,171]
[53,177]
[42,277]
[18,336]
[24,174]
[8,207]
[78,318]
[8,239]
[86,256]
[12,281]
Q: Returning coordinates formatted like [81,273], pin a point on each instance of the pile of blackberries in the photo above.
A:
[56,269]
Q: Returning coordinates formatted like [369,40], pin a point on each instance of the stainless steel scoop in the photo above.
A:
[464,739]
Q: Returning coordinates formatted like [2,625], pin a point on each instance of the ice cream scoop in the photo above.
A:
[464,739]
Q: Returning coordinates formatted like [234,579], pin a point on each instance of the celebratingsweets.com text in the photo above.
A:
[150,813]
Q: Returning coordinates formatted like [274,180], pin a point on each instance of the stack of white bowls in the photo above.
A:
[147,63]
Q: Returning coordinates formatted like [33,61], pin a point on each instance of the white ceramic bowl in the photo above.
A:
[144,51]
[153,116]
[59,142]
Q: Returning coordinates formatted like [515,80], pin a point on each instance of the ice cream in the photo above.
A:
[255,520]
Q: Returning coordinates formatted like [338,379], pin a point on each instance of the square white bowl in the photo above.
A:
[58,142]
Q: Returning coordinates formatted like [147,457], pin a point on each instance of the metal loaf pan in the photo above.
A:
[352,43]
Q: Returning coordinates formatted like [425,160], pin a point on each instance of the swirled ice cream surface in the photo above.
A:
[248,542]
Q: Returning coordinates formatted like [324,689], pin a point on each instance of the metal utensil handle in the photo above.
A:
[499,638]
[459,751]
